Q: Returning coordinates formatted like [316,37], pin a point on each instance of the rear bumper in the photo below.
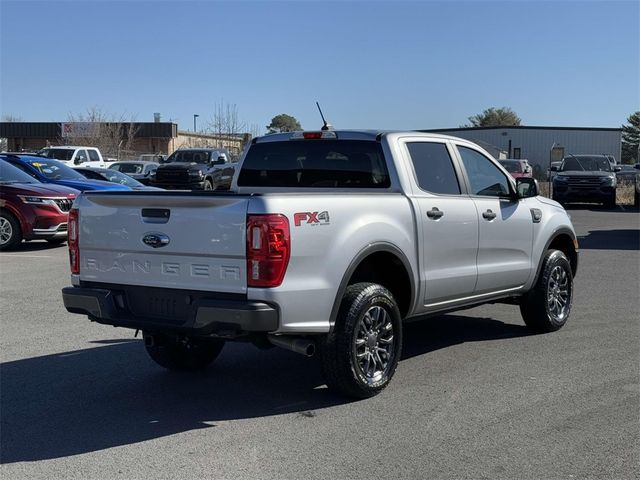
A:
[204,317]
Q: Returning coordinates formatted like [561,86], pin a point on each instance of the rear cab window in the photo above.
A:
[315,164]
[433,168]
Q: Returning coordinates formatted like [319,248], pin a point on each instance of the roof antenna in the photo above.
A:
[326,126]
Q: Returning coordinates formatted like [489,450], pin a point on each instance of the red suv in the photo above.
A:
[31,210]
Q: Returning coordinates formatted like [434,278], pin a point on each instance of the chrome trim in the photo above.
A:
[56,231]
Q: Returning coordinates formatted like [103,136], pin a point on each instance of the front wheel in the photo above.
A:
[186,354]
[360,355]
[208,185]
[10,232]
[547,306]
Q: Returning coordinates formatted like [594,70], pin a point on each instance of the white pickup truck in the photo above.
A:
[327,241]
[74,156]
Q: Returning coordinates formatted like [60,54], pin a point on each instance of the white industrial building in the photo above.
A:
[541,145]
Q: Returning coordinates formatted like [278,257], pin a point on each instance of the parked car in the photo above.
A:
[517,168]
[195,169]
[74,155]
[141,171]
[585,178]
[47,170]
[626,173]
[152,157]
[30,210]
[113,176]
[328,240]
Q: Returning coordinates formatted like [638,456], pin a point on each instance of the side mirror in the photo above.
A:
[617,169]
[526,187]
[77,161]
[554,168]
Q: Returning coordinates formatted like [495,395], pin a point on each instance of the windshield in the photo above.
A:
[189,156]
[315,164]
[115,176]
[54,170]
[11,174]
[58,153]
[511,166]
[586,163]
[128,167]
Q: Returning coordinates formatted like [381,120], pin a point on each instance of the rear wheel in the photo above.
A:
[547,306]
[360,355]
[187,354]
[10,232]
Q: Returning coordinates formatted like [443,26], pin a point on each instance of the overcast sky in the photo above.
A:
[370,64]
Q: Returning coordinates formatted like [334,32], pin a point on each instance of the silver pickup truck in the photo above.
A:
[327,242]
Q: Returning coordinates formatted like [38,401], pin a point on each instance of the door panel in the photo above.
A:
[504,251]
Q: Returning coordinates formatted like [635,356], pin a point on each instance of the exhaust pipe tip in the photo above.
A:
[300,345]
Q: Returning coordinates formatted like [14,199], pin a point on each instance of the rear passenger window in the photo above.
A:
[434,168]
[93,156]
[485,178]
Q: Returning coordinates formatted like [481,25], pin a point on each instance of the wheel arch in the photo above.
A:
[564,240]
[387,258]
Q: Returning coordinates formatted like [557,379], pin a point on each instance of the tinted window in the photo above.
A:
[433,167]
[59,153]
[10,173]
[190,156]
[81,156]
[485,178]
[116,177]
[315,164]
[127,167]
[586,163]
[93,156]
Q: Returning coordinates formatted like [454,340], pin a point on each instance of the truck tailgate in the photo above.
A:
[191,242]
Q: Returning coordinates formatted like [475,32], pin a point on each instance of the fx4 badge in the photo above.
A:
[313,218]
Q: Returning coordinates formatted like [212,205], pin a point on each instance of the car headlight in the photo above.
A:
[36,200]
[609,181]
[560,179]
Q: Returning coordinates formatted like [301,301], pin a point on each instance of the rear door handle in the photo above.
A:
[434,213]
[489,215]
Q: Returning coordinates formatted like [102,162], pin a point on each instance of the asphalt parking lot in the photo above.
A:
[475,396]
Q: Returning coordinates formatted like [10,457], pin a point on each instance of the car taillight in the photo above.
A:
[72,239]
[268,249]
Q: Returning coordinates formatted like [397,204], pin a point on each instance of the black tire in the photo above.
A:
[56,241]
[611,202]
[547,306]
[368,320]
[185,354]
[208,185]
[10,231]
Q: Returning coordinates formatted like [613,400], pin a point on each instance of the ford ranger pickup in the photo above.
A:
[327,242]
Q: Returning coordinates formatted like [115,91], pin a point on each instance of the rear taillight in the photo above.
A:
[72,239]
[268,249]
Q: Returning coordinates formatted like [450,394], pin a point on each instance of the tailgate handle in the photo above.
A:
[156,215]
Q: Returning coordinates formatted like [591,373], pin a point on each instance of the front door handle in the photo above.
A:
[434,213]
[488,215]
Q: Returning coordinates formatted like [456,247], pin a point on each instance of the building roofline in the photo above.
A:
[522,127]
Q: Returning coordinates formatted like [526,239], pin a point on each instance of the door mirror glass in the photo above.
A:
[527,187]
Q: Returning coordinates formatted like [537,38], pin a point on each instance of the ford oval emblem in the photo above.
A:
[156,240]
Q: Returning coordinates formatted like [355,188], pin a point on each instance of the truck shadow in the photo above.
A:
[110,395]
[610,240]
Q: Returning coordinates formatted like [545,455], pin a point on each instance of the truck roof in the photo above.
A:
[70,147]
[354,135]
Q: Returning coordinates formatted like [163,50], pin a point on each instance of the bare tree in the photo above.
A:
[113,135]
[225,124]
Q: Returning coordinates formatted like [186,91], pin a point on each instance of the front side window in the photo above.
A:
[434,168]
[485,178]
[81,156]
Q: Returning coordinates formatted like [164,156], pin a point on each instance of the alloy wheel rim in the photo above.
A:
[6,231]
[373,347]
[558,293]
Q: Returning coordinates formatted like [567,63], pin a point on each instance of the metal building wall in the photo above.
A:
[535,143]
